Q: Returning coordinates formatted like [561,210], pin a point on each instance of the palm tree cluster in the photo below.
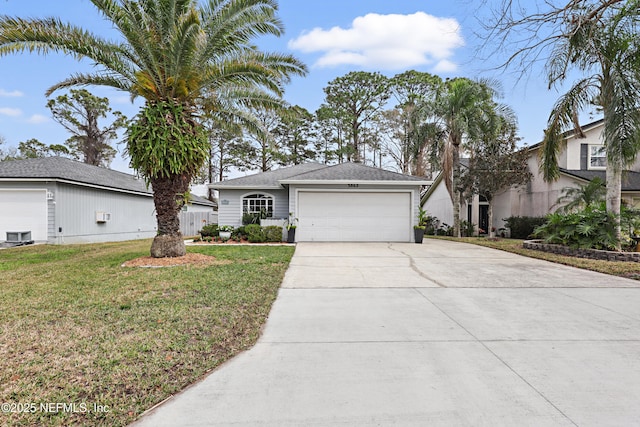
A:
[185,58]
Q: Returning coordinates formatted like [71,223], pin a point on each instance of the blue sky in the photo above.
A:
[333,37]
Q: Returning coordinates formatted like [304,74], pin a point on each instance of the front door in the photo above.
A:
[483,219]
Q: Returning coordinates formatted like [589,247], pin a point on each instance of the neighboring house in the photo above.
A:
[60,201]
[343,202]
[581,161]
[198,212]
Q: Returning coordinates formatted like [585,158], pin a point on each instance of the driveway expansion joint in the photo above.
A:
[501,360]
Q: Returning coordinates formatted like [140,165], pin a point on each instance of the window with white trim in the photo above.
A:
[597,157]
[258,204]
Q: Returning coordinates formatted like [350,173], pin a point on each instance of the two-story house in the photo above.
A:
[582,159]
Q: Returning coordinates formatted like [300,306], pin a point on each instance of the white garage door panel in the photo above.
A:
[354,217]
[23,210]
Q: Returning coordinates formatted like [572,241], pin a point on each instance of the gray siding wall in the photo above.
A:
[415,190]
[230,205]
[191,222]
[132,216]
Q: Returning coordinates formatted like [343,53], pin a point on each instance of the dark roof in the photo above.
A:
[60,168]
[197,200]
[352,172]
[630,179]
[269,179]
[316,172]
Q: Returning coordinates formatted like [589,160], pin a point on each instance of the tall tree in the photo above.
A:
[176,54]
[34,149]
[295,136]
[258,148]
[605,49]
[495,162]
[79,113]
[357,97]
[599,41]
[331,133]
[416,93]
[462,107]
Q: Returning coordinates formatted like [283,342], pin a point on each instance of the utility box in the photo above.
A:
[103,217]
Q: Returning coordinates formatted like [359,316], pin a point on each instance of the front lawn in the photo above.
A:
[84,341]
[616,268]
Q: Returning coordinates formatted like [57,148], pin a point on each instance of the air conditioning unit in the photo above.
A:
[103,217]
[18,236]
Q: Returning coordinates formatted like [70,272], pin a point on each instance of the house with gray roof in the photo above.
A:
[59,200]
[344,202]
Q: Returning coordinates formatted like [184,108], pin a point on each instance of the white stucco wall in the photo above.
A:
[439,204]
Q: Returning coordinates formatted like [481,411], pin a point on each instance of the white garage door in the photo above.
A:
[23,210]
[354,217]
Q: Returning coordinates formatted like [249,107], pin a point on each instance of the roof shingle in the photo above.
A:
[316,172]
[60,168]
[630,179]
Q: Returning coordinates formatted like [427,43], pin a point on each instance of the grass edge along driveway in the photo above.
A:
[84,341]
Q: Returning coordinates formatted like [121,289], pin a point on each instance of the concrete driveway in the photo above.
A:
[438,334]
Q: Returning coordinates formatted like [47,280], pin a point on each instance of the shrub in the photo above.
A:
[466,228]
[255,233]
[431,224]
[250,218]
[210,230]
[239,233]
[586,229]
[273,233]
[444,230]
[522,227]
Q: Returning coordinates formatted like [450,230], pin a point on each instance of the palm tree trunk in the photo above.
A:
[457,196]
[168,197]
[614,189]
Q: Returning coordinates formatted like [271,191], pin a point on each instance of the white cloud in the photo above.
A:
[390,42]
[13,94]
[11,112]
[445,66]
[37,119]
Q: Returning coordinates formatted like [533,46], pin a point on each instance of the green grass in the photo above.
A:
[615,268]
[77,328]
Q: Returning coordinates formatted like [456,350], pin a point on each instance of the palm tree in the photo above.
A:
[461,107]
[583,196]
[183,57]
[605,48]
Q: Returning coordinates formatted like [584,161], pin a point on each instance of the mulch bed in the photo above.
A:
[192,259]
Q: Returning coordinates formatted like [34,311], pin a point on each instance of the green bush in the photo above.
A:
[586,229]
[466,228]
[522,227]
[239,233]
[255,233]
[248,218]
[210,230]
[273,233]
